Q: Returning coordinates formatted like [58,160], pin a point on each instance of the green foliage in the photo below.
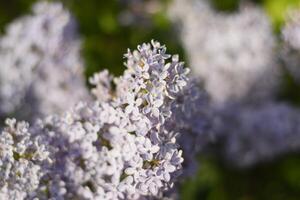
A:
[278,180]
[11,9]
[288,88]
[225,5]
[106,39]
[277,10]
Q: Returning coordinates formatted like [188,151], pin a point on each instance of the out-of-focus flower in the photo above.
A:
[41,70]
[232,53]
[258,134]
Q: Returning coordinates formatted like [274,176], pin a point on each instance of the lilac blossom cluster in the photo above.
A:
[40,61]
[255,134]
[22,157]
[114,148]
[225,50]
[193,118]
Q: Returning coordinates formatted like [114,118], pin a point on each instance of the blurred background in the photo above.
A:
[109,27]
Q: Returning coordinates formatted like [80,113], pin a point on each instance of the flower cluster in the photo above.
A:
[225,50]
[40,61]
[22,156]
[120,147]
[192,117]
[253,134]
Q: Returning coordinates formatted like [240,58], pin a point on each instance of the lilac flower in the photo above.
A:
[22,156]
[41,71]
[233,54]
[102,85]
[258,134]
[106,149]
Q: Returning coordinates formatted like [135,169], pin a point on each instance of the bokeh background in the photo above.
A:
[109,27]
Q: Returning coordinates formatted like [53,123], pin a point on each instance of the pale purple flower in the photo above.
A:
[41,71]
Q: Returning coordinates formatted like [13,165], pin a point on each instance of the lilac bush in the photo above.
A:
[130,137]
